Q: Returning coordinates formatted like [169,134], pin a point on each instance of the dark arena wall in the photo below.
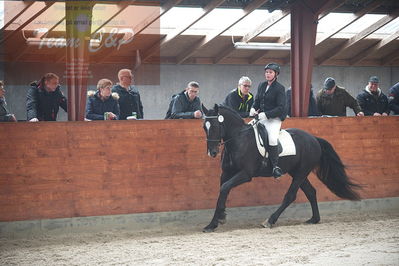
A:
[75,169]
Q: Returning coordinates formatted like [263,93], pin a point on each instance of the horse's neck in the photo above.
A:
[232,128]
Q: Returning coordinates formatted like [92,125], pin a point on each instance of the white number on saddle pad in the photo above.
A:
[220,119]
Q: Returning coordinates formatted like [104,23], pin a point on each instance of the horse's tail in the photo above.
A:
[331,172]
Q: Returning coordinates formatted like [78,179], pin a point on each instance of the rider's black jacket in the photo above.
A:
[272,101]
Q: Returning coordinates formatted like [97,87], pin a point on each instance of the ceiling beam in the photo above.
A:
[358,37]
[387,60]
[351,20]
[257,57]
[45,6]
[246,11]
[169,37]
[374,48]
[12,10]
[121,6]
[279,15]
[144,24]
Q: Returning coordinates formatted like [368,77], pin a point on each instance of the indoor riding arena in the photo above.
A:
[140,192]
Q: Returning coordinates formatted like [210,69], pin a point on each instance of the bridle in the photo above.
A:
[220,119]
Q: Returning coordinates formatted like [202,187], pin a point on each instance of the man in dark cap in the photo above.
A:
[372,100]
[394,99]
[333,100]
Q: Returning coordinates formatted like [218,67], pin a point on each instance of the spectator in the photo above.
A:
[240,99]
[333,100]
[394,99]
[44,99]
[372,100]
[187,104]
[169,112]
[269,104]
[100,104]
[5,116]
[312,108]
[129,96]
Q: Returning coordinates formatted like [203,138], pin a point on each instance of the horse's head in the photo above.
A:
[213,126]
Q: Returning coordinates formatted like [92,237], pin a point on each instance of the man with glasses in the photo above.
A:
[129,96]
[372,100]
[187,105]
[240,99]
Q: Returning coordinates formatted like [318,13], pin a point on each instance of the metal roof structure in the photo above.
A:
[351,33]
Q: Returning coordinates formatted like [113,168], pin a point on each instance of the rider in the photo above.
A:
[270,106]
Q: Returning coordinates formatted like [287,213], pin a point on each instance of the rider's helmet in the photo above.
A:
[273,66]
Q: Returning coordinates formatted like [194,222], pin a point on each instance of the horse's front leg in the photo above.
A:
[220,215]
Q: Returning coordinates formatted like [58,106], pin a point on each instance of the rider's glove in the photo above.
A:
[252,112]
[262,116]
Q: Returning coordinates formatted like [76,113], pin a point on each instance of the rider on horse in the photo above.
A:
[269,105]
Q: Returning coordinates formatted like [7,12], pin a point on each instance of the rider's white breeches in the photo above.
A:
[273,126]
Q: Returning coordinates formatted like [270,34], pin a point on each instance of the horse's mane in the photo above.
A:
[233,114]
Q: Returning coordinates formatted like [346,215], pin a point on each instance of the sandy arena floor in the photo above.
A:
[342,240]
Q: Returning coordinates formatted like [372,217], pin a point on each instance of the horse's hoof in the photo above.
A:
[266,224]
[209,228]
[222,221]
[313,221]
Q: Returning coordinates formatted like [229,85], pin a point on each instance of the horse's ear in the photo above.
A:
[204,109]
[216,108]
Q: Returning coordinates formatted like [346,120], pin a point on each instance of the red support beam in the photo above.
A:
[304,18]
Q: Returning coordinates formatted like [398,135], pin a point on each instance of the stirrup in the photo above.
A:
[277,172]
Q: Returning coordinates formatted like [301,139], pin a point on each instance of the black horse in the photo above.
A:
[241,161]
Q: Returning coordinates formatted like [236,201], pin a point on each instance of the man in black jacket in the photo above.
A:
[372,100]
[5,116]
[129,96]
[270,106]
[44,99]
[394,99]
[312,108]
[187,105]
[240,99]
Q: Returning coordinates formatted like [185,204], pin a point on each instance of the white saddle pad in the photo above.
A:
[285,139]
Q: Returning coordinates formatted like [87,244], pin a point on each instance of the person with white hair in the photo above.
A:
[241,99]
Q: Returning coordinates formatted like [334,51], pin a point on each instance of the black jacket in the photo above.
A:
[241,103]
[44,105]
[5,116]
[95,107]
[129,101]
[183,108]
[394,99]
[272,102]
[371,104]
[312,108]
[169,112]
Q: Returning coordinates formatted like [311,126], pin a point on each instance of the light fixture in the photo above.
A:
[261,46]
[59,42]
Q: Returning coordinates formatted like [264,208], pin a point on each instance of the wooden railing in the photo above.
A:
[71,169]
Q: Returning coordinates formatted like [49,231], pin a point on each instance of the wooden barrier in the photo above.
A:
[72,169]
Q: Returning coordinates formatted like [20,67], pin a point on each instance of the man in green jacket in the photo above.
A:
[333,100]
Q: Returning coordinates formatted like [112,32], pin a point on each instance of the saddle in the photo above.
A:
[285,143]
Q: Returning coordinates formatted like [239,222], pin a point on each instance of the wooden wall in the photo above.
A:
[70,169]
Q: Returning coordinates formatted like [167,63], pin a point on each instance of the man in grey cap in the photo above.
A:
[333,100]
[372,100]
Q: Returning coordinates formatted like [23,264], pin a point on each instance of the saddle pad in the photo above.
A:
[285,139]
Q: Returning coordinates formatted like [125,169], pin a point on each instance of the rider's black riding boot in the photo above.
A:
[273,156]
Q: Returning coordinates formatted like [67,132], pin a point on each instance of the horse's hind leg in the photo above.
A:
[289,197]
[310,193]
[219,216]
